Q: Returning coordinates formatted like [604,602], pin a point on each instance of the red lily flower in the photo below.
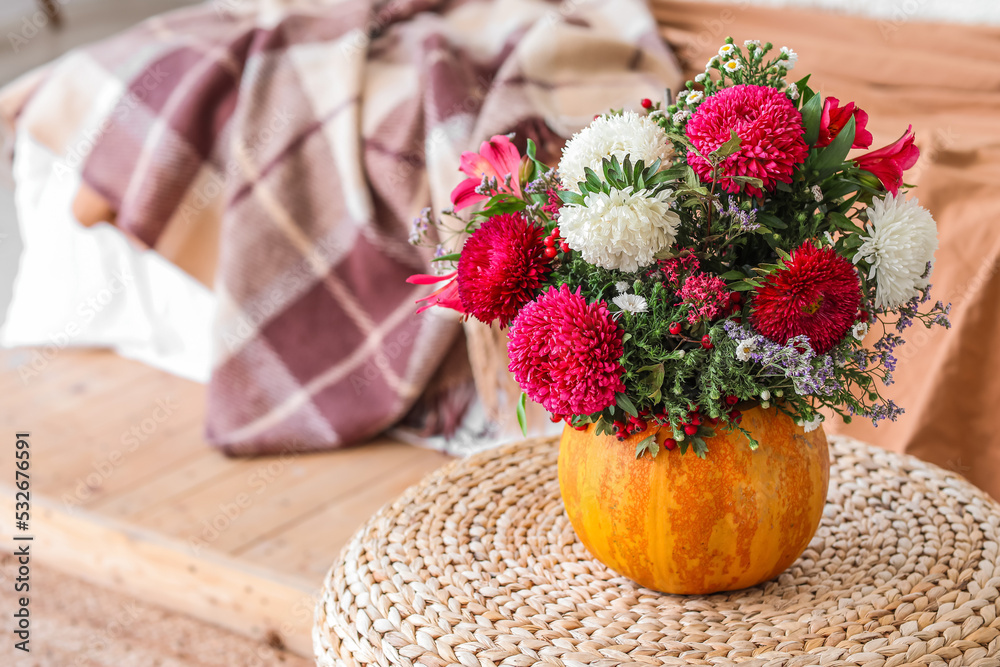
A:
[446,296]
[497,158]
[889,163]
[834,119]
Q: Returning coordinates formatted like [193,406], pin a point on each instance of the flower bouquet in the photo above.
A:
[691,264]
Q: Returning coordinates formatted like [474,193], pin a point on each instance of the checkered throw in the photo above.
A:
[294,142]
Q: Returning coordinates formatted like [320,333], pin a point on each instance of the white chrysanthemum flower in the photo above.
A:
[901,241]
[621,286]
[695,97]
[630,134]
[812,424]
[793,91]
[631,303]
[732,66]
[726,50]
[745,348]
[860,330]
[792,58]
[817,192]
[622,229]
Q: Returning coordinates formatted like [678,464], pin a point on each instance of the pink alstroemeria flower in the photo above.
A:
[834,119]
[497,158]
[446,296]
[889,163]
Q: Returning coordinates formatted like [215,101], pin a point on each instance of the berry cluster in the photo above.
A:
[551,241]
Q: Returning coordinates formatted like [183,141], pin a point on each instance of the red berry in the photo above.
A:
[555,418]
[670,444]
[690,429]
[732,400]
[735,297]
[550,252]
[564,247]
[675,328]
[549,241]
[736,416]
[646,103]
[862,316]
[555,232]
[696,419]
[706,342]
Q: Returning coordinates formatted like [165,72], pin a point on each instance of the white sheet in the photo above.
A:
[93,287]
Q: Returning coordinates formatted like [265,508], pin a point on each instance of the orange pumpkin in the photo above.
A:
[680,524]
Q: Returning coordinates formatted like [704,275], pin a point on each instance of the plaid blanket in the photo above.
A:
[279,150]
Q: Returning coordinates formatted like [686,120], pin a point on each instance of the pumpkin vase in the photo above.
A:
[686,525]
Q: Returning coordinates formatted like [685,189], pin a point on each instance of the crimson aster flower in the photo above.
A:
[497,159]
[565,353]
[816,294]
[769,127]
[502,267]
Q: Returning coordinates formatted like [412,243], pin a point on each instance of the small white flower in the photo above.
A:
[792,58]
[712,62]
[631,303]
[726,50]
[680,116]
[765,404]
[755,43]
[812,424]
[700,78]
[901,241]
[860,330]
[695,97]
[732,66]
[779,392]
[745,348]
[621,229]
[817,192]
[681,353]
[793,91]
[765,395]
[621,286]
[630,134]
[829,238]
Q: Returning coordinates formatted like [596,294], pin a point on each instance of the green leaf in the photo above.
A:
[625,404]
[700,448]
[570,197]
[749,180]
[842,222]
[812,113]
[783,254]
[742,286]
[648,444]
[771,221]
[733,275]
[521,418]
[530,150]
[731,146]
[452,257]
[831,157]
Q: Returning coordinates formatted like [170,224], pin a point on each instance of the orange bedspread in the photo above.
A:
[945,80]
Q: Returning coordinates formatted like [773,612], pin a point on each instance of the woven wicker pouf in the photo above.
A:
[478,565]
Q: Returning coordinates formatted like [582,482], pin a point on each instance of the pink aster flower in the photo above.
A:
[502,267]
[706,295]
[446,296]
[767,123]
[497,159]
[565,352]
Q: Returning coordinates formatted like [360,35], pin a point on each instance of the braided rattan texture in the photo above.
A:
[478,565]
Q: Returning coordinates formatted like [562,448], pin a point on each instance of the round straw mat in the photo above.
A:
[478,565]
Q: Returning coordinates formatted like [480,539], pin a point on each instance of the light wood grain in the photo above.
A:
[242,543]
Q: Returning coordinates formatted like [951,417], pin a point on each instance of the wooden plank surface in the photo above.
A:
[126,493]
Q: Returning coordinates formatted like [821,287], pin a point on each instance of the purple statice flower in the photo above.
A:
[882,411]
[796,360]
[420,225]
